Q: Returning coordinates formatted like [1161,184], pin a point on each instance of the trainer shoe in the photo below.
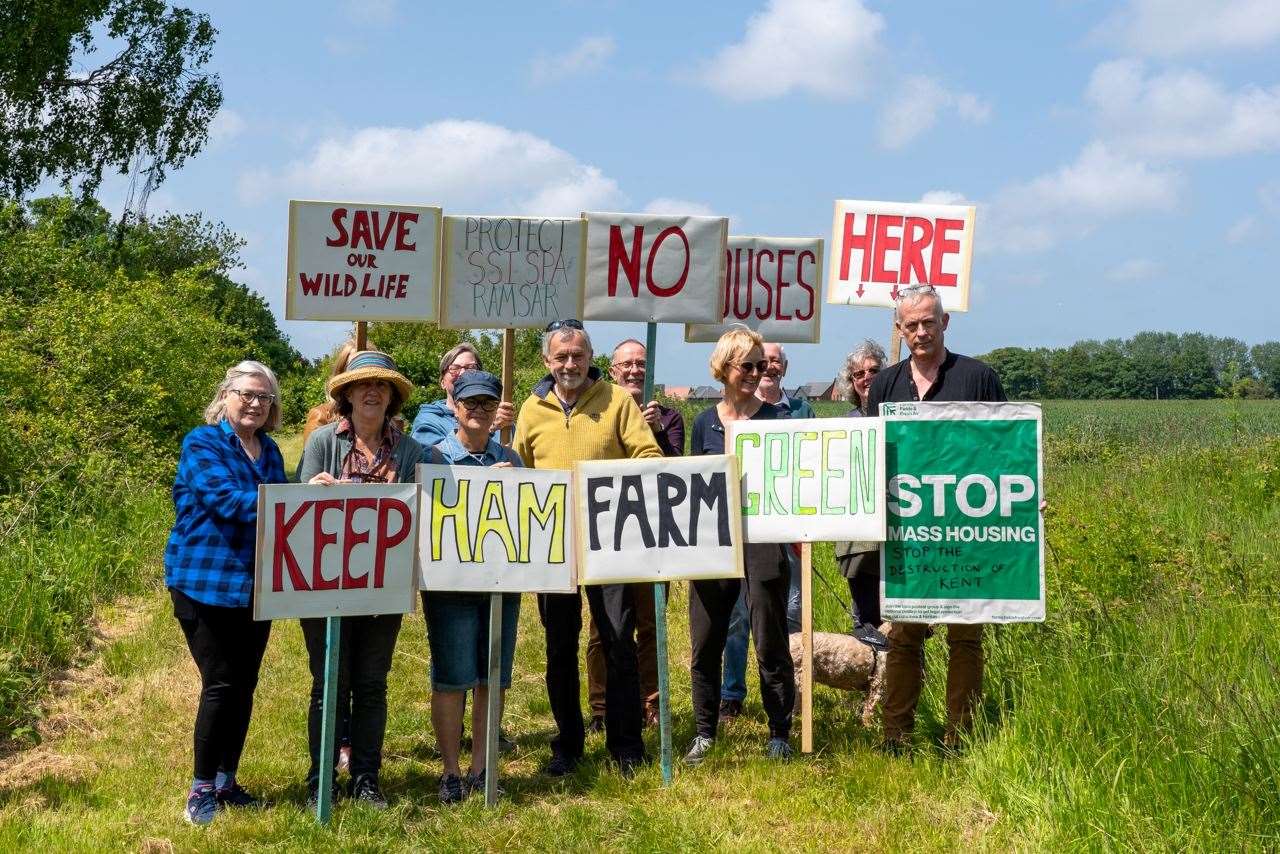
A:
[475,784]
[561,765]
[872,637]
[451,789]
[235,796]
[699,749]
[778,748]
[729,710]
[313,795]
[202,805]
[365,790]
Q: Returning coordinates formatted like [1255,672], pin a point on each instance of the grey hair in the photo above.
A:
[452,356]
[782,351]
[621,344]
[868,349]
[217,408]
[565,333]
[914,294]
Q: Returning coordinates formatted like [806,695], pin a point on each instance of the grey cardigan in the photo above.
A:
[326,450]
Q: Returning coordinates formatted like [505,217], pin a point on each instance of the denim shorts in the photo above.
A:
[458,633]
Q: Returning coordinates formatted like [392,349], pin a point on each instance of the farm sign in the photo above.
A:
[878,248]
[353,261]
[772,285]
[965,537]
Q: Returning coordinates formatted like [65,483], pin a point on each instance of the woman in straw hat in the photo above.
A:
[365,445]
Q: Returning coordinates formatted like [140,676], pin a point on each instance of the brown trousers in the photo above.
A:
[904,676]
[646,648]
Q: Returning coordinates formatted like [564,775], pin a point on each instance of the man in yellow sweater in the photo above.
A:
[574,415]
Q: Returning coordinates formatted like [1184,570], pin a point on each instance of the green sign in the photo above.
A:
[965,539]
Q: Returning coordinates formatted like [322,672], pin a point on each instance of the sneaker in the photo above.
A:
[629,766]
[699,749]
[344,758]
[505,745]
[729,710]
[872,637]
[778,748]
[202,805]
[451,789]
[596,726]
[561,765]
[313,795]
[365,790]
[475,784]
[235,796]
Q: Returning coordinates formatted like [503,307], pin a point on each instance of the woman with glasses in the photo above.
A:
[738,362]
[859,562]
[208,568]
[435,420]
[458,623]
[363,446]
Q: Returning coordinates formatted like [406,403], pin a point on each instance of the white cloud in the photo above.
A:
[943,197]
[824,47]
[587,55]
[226,126]
[1133,270]
[915,107]
[466,166]
[1241,230]
[1181,113]
[679,207]
[1180,27]
[371,11]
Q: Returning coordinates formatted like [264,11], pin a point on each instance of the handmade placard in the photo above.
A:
[772,285]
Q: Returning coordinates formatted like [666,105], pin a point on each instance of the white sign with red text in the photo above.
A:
[878,248]
[335,551]
[772,285]
[643,267]
[355,261]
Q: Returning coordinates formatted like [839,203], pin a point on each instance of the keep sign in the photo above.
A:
[965,537]
[878,248]
[354,261]
[672,519]
[496,530]
[654,267]
[772,285]
[813,479]
[335,551]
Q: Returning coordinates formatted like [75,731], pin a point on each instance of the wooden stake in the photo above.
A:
[493,714]
[362,335]
[508,376]
[806,647]
[895,344]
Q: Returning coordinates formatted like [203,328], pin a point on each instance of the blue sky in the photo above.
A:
[1122,155]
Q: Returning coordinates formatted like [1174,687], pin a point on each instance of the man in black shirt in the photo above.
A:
[930,373]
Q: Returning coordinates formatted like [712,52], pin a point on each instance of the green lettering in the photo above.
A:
[751,506]
[829,474]
[799,475]
[771,471]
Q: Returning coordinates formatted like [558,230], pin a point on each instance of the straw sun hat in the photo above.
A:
[369,365]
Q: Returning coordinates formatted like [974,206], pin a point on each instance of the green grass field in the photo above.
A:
[1144,714]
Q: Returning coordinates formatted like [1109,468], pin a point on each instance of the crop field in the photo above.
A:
[1143,714]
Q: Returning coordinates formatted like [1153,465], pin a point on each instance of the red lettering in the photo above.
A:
[943,246]
[618,257]
[365,290]
[800,259]
[728,280]
[383,234]
[852,240]
[781,285]
[653,252]
[763,314]
[402,233]
[311,286]
[400,285]
[283,557]
[387,541]
[360,230]
[738,310]
[321,539]
[883,244]
[339,214]
[351,539]
[912,256]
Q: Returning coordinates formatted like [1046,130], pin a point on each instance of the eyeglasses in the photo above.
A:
[868,372]
[247,396]
[455,369]
[567,323]
[753,367]
[487,404]
[633,365]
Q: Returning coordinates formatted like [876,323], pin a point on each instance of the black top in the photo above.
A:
[960,378]
[708,430]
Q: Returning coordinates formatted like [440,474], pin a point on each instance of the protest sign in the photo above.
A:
[878,248]
[965,537]
[814,479]
[772,285]
[666,519]
[655,268]
[507,271]
[335,551]
[496,530]
[354,261]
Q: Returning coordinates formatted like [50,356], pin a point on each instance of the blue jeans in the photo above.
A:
[458,635]
[734,684]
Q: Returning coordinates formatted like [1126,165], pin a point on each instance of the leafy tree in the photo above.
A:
[149,101]
[1023,373]
[1266,358]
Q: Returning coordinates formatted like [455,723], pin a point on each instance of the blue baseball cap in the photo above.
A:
[477,384]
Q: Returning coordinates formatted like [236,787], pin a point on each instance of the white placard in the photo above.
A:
[667,519]
[772,285]
[335,551]
[879,247]
[496,530]
[357,261]
[667,269]
[507,271]
[814,479]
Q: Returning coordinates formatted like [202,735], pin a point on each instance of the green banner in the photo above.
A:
[965,537]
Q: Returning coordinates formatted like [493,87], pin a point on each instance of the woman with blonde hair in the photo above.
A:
[208,569]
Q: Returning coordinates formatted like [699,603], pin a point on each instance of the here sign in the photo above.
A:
[772,285]
[878,248]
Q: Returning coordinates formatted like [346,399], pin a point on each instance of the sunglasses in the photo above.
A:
[567,323]
[753,367]
[857,375]
[486,404]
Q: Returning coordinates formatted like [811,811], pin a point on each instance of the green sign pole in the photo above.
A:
[659,594]
[328,717]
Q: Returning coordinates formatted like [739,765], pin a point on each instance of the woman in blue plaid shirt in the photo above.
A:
[208,568]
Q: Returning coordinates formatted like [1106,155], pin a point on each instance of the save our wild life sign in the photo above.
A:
[496,530]
[811,479]
[508,271]
[335,551]
[665,519]
[772,285]
[356,261]
[878,248]
[965,537]
[654,267]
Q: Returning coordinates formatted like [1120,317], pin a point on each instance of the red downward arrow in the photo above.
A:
[894,293]
[860,290]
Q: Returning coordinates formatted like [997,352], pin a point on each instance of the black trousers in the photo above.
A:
[613,610]
[364,660]
[710,606]
[862,571]
[227,645]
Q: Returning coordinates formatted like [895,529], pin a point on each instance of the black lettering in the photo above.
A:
[671,492]
[631,503]
[595,507]
[714,494]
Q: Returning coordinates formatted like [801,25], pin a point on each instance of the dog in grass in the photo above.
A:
[844,662]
